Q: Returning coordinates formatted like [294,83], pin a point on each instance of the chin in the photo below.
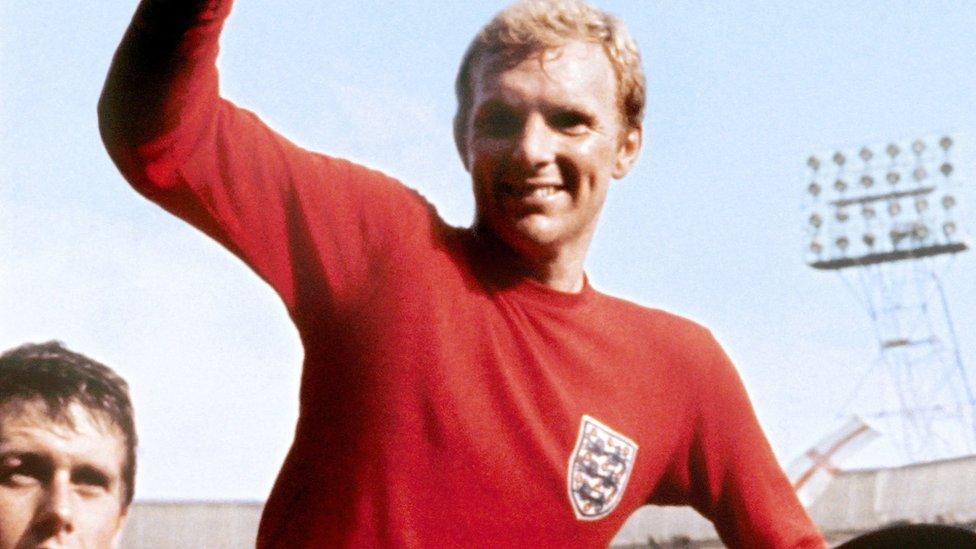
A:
[532,237]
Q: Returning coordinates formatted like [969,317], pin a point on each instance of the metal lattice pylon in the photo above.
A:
[886,222]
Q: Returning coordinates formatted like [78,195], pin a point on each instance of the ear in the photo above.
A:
[628,151]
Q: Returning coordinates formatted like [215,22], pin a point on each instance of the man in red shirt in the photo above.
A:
[461,387]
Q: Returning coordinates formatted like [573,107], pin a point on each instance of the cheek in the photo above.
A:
[16,512]
[103,522]
[483,165]
[600,156]
[486,153]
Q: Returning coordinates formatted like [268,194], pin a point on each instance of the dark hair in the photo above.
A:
[50,373]
[918,536]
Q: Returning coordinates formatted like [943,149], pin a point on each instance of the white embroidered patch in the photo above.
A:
[599,469]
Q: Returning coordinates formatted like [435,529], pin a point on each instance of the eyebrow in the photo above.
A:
[23,455]
[494,105]
[586,115]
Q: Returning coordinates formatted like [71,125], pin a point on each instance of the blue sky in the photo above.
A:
[710,224]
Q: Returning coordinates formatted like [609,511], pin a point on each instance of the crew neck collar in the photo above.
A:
[533,291]
[493,262]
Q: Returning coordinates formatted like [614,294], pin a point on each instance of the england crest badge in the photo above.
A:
[599,469]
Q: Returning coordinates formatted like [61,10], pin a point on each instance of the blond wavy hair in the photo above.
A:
[529,27]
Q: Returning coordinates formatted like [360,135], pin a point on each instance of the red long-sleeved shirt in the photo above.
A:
[443,401]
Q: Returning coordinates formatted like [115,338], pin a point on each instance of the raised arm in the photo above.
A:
[300,219]
[161,93]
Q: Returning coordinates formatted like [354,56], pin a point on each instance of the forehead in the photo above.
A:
[577,70]
[79,437]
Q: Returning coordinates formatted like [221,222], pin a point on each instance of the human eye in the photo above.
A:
[21,470]
[497,122]
[90,480]
[571,121]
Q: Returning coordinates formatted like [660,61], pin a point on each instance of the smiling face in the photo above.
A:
[542,140]
[60,485]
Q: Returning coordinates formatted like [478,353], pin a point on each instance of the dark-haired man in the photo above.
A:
[461,387]
[67,450]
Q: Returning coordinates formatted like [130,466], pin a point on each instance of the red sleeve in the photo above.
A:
[311,225]
[733,477]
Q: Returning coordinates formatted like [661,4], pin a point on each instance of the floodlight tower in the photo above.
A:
[888,222]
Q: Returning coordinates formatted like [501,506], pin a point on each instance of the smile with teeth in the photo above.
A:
[532,191]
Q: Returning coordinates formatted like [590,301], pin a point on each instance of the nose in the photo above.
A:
[55,516]
[537,143]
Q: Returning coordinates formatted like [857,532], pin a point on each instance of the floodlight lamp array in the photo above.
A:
[864,207]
